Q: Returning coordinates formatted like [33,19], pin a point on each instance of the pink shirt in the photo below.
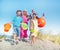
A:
[24,18]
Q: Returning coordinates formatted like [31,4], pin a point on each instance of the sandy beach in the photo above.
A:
[39,45]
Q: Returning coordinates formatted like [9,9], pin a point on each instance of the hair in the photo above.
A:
[18,11]
[32,10]
[26,13]
[36,15]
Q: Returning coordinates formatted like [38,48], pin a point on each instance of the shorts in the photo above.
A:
[16,31]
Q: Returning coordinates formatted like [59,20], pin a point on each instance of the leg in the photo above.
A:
[15,35]
[21,34]
[33,39]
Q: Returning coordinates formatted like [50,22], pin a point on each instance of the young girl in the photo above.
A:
[23,33]
[33,28]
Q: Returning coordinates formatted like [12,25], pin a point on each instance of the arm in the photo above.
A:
[29,17]
[10,22]
[31,25]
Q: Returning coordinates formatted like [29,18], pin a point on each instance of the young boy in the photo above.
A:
[16,25]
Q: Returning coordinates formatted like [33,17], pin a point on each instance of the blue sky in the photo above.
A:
[51,8]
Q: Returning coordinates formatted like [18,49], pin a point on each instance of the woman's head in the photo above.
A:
[19,13]
[35,16]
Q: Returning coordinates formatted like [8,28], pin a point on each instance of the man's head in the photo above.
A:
[33,11]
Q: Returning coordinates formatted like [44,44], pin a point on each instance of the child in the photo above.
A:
[33,28]
[23,33]
[16,25]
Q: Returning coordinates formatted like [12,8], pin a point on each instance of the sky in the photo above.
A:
[51,8]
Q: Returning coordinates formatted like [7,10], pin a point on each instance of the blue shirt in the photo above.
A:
[17,21]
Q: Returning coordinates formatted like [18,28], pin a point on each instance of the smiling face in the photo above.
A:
[19,12]
[25,13]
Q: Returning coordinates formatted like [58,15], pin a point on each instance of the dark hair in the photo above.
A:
[19,11]
[36,15]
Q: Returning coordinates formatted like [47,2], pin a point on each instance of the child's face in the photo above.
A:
[24,13]
[19,13]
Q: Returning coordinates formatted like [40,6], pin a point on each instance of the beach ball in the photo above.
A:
[24,26]
[7,27]
[41,22]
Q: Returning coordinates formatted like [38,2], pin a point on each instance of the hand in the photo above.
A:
[10,23]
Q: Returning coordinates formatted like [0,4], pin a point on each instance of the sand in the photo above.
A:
[39,45]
